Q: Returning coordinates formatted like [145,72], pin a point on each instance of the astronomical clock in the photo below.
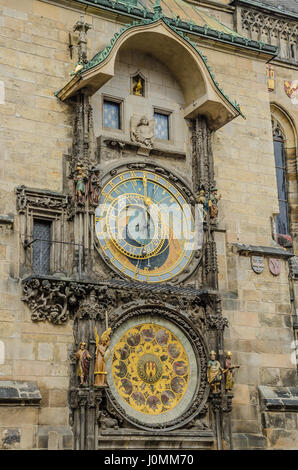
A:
[146,233]
[144,226]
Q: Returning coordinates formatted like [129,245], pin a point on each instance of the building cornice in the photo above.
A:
[266,8]
[125,12]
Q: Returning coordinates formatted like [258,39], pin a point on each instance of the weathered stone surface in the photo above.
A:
[279,398]
[10,439]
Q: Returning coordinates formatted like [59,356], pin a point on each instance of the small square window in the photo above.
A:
[161,125]
[111,114]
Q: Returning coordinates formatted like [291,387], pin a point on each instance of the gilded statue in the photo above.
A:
[138,87]
[83,357]
[100,370]
[142,131]
[214,373]
[229,372]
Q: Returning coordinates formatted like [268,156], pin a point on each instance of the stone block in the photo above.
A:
[273,420]
[53,416]
[288,377]
[32,368]
[58,398]
[282,439]
[28,437]
[245,426]
[244,412]
[270,376]
[17,416]
[241,394]
[45,352]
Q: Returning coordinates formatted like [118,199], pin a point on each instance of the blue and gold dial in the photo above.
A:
[144,226]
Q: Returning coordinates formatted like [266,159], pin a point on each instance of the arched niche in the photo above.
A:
[201,94]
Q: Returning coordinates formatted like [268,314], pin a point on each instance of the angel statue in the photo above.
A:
[142,131]
[102,355]
[83,357]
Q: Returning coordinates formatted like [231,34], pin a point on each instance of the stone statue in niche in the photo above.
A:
[83,357]
[100,370]
[229,372]
[94,187]
[142,131]
[80,181]
[214,373]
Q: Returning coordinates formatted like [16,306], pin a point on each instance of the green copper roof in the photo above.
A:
[187,12]
[185,17]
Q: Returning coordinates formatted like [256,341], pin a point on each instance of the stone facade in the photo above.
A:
[44,138]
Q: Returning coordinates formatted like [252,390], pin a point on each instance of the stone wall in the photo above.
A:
[36,131]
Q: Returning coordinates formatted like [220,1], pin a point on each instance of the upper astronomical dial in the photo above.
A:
[144,226]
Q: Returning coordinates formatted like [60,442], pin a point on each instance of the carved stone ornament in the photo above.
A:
[56,301]
[142,131]
[257,264]
[33,198]
[274,266]
[270,30]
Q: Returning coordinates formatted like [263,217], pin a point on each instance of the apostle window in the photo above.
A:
[112,114]
[162,130]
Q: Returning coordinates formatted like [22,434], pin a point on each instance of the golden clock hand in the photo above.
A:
[146,198]
[145,187]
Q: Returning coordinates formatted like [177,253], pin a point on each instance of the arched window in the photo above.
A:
[282,219]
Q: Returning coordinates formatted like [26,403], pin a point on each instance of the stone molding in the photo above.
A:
[247,250]
[278,398]
[13,392]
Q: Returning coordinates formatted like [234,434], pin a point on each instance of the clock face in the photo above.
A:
[150,369]
[144,226]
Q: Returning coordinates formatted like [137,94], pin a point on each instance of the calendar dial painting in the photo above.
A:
[153,372]
[150,369]
[144,226]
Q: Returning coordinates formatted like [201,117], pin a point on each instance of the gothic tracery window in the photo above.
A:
[282,219]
